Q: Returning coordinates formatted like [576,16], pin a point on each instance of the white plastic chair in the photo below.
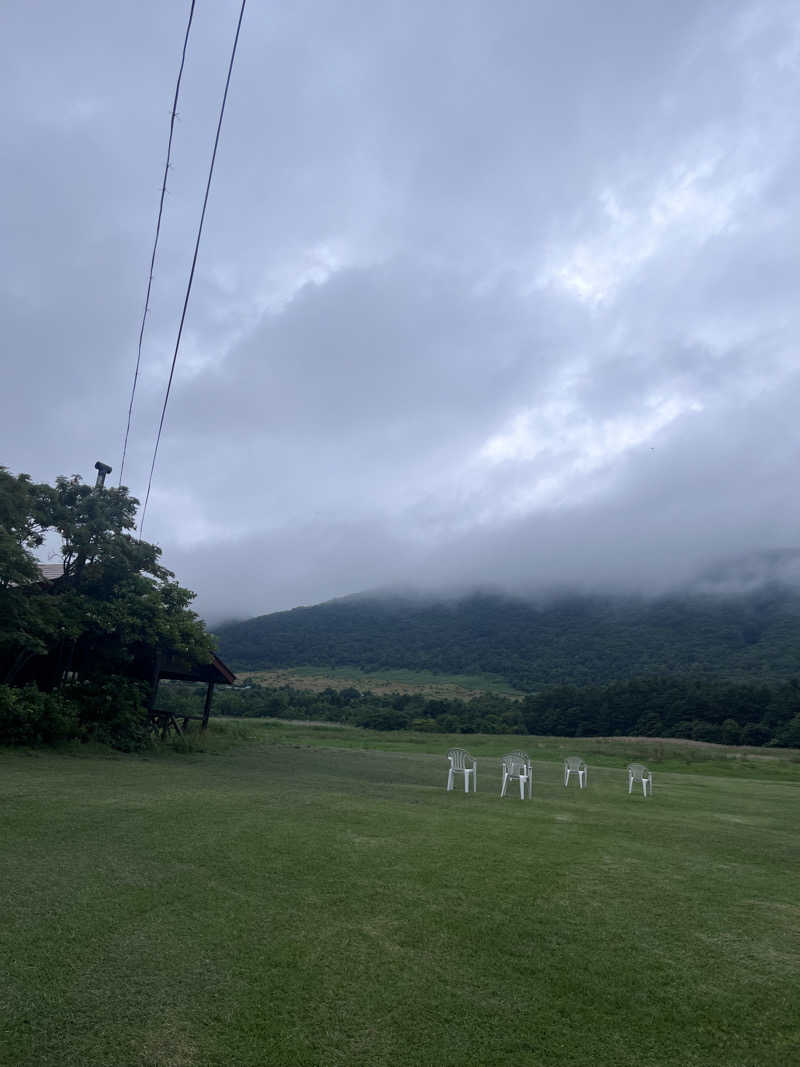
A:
[462,763]
[637,772]
[517,765]
[575,765]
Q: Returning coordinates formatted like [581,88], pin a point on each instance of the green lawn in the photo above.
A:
[300,899]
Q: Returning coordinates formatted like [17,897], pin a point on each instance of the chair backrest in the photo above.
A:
[637,771]
[515,763]
[574,763]
[458,758]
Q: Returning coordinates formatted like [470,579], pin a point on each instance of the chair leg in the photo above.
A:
[630,785]
[474,779]
[504,784]
[566,777]
[450,779]
[521,787]
[466,781]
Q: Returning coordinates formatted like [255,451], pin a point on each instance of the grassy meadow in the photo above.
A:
[432,684]
[302,895]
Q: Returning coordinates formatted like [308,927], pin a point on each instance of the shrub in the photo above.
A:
[649,725]
[111,710]
[680,729]
[380,719]
[755,733]
[789,736]
[706,731]
[731,732]
[424,725]
[30,717]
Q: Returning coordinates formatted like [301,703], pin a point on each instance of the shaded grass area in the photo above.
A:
[290,902]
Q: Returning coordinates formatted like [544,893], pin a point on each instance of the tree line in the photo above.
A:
[683,707]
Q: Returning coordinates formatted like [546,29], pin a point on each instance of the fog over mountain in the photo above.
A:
[489,295]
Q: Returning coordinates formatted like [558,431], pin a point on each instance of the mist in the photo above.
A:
[487,297]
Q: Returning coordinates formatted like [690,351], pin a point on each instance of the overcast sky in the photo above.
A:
[489,291]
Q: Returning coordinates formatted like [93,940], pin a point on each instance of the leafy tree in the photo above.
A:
[103,620]
[23,520]
[731,732]
[755,733]
[649,725]
[789,735]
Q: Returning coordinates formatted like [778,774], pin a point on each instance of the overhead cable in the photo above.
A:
[194,264]
[155,242]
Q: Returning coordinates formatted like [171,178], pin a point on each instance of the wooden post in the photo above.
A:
[156,680]
[207,706]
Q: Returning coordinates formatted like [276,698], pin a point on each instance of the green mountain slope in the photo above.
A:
[574,640]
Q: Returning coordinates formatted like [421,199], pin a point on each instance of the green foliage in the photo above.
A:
[30,717]
[23,520]
[564,641]
[111,711]
[788,735]
[698,709]
[107,710]
[103,620]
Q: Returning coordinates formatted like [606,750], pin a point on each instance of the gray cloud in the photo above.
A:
[488,293]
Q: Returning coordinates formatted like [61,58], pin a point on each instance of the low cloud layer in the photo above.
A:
[488,294]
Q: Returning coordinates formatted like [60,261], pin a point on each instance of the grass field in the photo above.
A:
[425,683]
[313,896]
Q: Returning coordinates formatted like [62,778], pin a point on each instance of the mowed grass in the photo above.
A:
[286,902]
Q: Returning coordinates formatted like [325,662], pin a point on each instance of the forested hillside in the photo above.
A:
[570,640]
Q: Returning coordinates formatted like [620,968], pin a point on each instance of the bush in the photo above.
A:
[30,717]
[384,719]
[706,731]
[755,733]
[649,725]
[111,710]
[789,736]
[731,732]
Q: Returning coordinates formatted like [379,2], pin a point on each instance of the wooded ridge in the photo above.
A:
[568,640]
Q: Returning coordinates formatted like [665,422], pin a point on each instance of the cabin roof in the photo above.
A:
[179,670]
[51,571]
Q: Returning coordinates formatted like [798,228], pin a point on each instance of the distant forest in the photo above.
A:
[694,708]
[570,641]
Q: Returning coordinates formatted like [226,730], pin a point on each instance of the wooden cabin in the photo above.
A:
[175,669]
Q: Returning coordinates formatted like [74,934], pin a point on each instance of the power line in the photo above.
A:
[194,264]
[155,242]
